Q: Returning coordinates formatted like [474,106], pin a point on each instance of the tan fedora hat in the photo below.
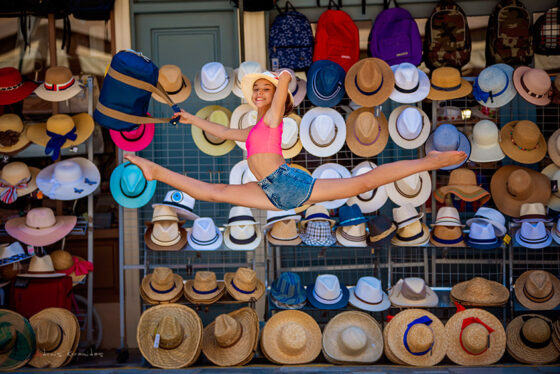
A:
[291,143]
[162,284]
[529,340]
[284,233]
[169,336]
[523,141]
[554,146]
[232,338]
[412,292]
[532,84]
[366,134]
[12,134]
[462,183]
[243,285]
[480,292]
[291,337]
[206,142]
[369,82]
[352,337]
[165,236]
[475,337]
[415,234]
[446,84]
[16,180]
[177,85]
[204,288]
[538,290]
[447,236]
[59,85]
[149,301]
[62,125]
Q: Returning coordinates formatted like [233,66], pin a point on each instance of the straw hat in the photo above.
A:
[284,233]
[523,141]
[175,83]
[17,345]
[415,234]
[494,88]
[162,284]
[369,82]
[411,84]
[447,236]
[485,142]
[529,340]
[322,131]
[273,216]
[424,336]
[165,235]
[412,292]
[169,336]
[59,85]
[70,131]
[149,301]
[415,189]
[243,285]
[409,126]
[532,84]
[554,146]
[446,137]
[553,173]
[206,142]
[480,292]
[249,80]
[16,180]
[369,201]
[64,262]
[232,338]
[352,337]
[325,83]
[12,134]
[13,87]
[56,330]
[246,67]
[386,350]
[213,82]
[366,135]
[291,337]
[291,144]
[447,84]
[538,290]
[475,337]
[40,227]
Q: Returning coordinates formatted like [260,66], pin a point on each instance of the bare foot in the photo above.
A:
[438,160]
[148,167]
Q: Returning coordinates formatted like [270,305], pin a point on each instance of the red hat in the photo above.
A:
[12,86]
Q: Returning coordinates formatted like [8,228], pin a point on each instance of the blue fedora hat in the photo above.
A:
[129,187]
[349,215]
[447,138]
[325,83]
[482,236]
[327,293]
[287,291]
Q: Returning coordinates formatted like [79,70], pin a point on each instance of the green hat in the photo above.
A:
[17,340]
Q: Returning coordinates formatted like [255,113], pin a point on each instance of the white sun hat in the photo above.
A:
[415,189]
[409,126]
[247,67]
[368,295]
[241,174]
[204,235]
[332,170]
[322,131]
[69,179]
[485,143]
[213,82]
[369,201]
[411,84]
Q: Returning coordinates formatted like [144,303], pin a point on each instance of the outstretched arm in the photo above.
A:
[213,128]
[274,115]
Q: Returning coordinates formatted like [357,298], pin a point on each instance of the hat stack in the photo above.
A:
[317,227]
[529,340]
[282,227]
[165,231]
[411,232]
[447,230]
[241,230]
[351,227]
[480,292]
[533,232]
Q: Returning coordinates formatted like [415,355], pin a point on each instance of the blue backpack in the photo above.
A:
[290,42]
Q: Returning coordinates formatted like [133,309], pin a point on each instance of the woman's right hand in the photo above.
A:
[184,117]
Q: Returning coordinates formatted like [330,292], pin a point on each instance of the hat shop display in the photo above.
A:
[287,292]
[537,290]
[366,134]
[368,295]
[409,126]
[213,82]
[322,131]
[480,292]
[13,136]
[445,138]
[325,83]
[204,288]
[529,340]
[174,82]
[206,142]
[69,179]
[462,184]
[59,85]
[412,292]
[13,87]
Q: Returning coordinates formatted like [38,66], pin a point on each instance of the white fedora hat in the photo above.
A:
[491,216]
[369,201]
[409,126]
[322,131]
[213,82]
[273,216]
[247,67]
[298,87]
[485,143]
[69,179]
[532,212]
[405,215]
[413,292]
[332,170]
[291,144]
[327,292]
[182,202]
[411,84]
[240,215]
[494,86]
[415,189]
[482,235]
[368,295]
[204,235]
[448,216]
[241,174]
[242,237]
[243,117]
[533,235]
[553,173]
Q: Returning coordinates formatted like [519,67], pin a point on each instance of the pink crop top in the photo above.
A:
[264,139]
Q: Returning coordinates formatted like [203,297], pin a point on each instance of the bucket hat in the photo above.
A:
[532,212]
[246,67]
[243,117]
[327,292]
[318,233]
[369,295]
[298,87]
[554,147]
[181,202]
[538,290]
[13,136]
[284,232]
[529,340]
[322,131]
[129,187]
[18,343]
[369,201]
[446,137]
[174,82]
[332,170]
[169,336]
[369,82]
[75,267]
[232,338]
[553,173]
[213,82]
[40,227]
[409,126]
[448,216]
[162,284]
[411,84]
[366,134]
[412,292]
[325,83]
[291,337]
[447,84]
[480,292]
[249,80]
[273,216]
[16,180]
[241,174]
[447,236]
[134,140]
[204,235]
[492,216]
[243,285]
[204,288]
[405,215]
[494,88]
[13,88]
[69,179]
[482,236]
[381,230]
[485,145]
[291,144]
[287,291]
[475,337]
[206,142]
[352,337]
[512,186]
[242,237]
[523,141]
[59,85]
[41,267]
[12,253]
[463,185]
[532,84]
[414,189]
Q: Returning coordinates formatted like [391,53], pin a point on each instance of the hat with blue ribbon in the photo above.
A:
[11,253]
[162,284]
[243,285]
[129,187]
[325,83]
[327,293]
[287,292]
[349,215]
[447,138]
[69,179]
[494,87]
[204,288]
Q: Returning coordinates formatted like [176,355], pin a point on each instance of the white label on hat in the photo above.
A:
[156,341]
[275,63]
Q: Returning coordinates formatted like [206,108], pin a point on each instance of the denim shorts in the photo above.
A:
[287,188]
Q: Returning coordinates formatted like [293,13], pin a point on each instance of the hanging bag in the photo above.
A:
[92,10]
[547,32]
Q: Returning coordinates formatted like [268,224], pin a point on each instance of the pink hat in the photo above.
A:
[40,227]
[134,140]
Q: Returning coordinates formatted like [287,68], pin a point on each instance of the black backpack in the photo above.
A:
[92,10]
[546,32]
[255,5]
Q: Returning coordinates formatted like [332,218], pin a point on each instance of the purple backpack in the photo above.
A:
[394,37]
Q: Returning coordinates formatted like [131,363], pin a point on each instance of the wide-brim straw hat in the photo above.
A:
[523,296]
[480,292]
[23,347]
[518,348]
[376,70]
[494,342]
[540,79]
[17,229]
[158,247]
[386,349]
[446,84]
[84,128]
[243,296]
[249,80]
[292,327]
[17,141]
[554,201]
[514,151]
[69,331]
[375,128]
[153,294]
[343,334]
[553,147]
[406,143]
[238,352]
[210,144]
[31,185]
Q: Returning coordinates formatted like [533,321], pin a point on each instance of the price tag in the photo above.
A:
[507,239]
[156,341]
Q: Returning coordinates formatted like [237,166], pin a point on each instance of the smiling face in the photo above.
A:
[263,92]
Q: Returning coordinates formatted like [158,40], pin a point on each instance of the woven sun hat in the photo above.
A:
[553,173]
[13,88]
[482,236]
[532,212]
[287,291]
[405,215]
[318,233]
[232,339]
[445,138]
[523,141]
[317,212]
[412,292]
[366,134]
[59,85]
[213,82]
[380,231]
[417,337]
[447,84]
[386,350]
[40,227]
[241,174]
[73,266]
[352,235]
[242,237]
[243,117]
[494,88]
[538,290]
[448,216]
[369,201]
[298,87]
[463,185]
[475,337]
[17,343]
[409,126]
[204,235]
[291,144]
[492,216]
[332,170]
[480,292]
[512,186]
[554,147]
[369,82]
[327,293]
[245,68]
[532,84]
[204,288]
[325,83]
[69,179]
[415,189]
[243,285]
[129,187]
[169,336]
[284,232]
[206,142]
[485,144]
[12,134]
[529,340]
[322,131]
[181,202]
[134,140]
[41,267]
[411,84]
[174,82]
[16,180]
[248,82]
[352,337]
[56,330]
[368,295]
[447,236]
[12,253]
[165,232]
[162,284]
[273,216]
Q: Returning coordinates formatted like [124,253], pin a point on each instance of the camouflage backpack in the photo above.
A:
[447,40]
[547,32]
[509,38]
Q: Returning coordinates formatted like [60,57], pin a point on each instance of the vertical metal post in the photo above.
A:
[241,32]
[90,222]
[121,265]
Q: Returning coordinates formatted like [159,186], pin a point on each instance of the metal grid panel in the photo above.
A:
[407,262]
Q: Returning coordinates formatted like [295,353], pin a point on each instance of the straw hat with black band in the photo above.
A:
[175,83]
[204,288]
[480,292]
[446,84]
[523,141]
[529,340]
[538,290]
[17,342]
[369,82]
[206,142]
[366,134]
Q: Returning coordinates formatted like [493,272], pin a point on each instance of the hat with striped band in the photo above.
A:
[325,83]
[204,235]
[240,215]
[482,236]
[448,216]
[462,183]
[492,216]
[447,236]
[352,235]
[59,85]
[284,232]
[12,86]
[533,235]
[412,235]
[381,230]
